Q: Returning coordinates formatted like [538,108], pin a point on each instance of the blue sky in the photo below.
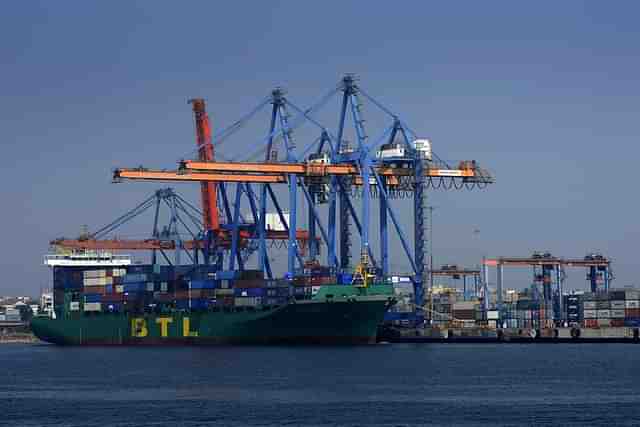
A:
[544,94]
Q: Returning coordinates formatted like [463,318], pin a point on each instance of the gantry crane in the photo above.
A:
[544,266]
[397,163]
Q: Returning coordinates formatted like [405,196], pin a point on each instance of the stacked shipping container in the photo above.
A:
[615,308]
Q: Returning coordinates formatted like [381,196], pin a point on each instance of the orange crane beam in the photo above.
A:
[150,244]
[189,175]
[313,169]
[528,262]
[118,244]
[153,175]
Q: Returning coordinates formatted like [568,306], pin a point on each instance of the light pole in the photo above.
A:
[476,235]
[431,208]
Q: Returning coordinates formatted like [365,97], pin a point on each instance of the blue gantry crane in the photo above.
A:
[327,176]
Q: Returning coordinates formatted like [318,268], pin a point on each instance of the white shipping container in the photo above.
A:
[74,306]
[3,318]
[464,305]
[492,315]
[97,281]
[92,306]
[632,294]
[119,289]
[164,286]
[590,314]
[589,305]
[108,281]
[150,286]
[604,314]
[90,274]
[632,304]
[617,304]
[617,314]
[315,289]
[247,301]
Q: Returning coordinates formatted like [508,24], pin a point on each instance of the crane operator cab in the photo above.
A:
[396,154]
[319,158]
[318,180]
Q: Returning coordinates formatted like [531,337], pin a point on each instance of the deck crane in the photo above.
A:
[329,171]
[184,218]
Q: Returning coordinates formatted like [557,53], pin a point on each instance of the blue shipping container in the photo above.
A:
[203,284]
[193,304]
[135,287]
[225,275]
[389,316]
[345,278]
[301,291]
[133,278]
[92,297]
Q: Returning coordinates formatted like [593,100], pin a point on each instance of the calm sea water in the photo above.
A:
[383,385]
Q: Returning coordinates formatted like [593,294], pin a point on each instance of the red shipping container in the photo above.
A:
[590,323]
[617,323]
[250,283]
[632,313]
[112,298]
[94,289]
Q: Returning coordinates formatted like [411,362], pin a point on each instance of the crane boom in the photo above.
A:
[208,189]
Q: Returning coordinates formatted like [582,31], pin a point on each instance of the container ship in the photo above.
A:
[107,299]
[104,299]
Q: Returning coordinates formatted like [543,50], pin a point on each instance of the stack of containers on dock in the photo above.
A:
[528,313]
[632,308]
[402,311]
[545,316]
[403,292]
[616,308]
[11,314]
[509,315]
[441,314]
[573,313]
[589,310]
[465,311]
[603,310]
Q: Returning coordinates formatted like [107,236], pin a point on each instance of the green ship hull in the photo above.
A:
[336,315]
